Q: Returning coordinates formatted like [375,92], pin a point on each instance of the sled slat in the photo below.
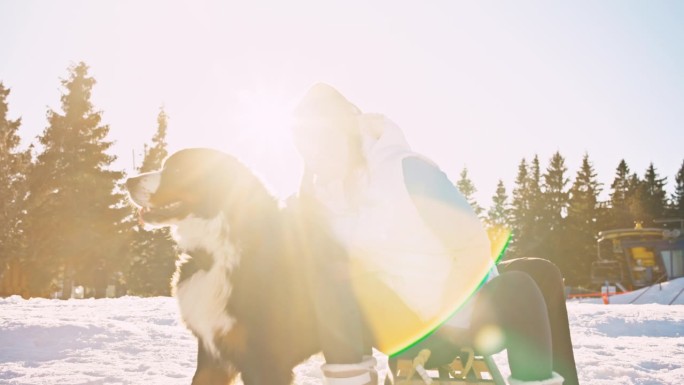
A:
[446,382]
[482,372]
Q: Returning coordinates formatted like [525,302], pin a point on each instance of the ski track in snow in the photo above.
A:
[133,340]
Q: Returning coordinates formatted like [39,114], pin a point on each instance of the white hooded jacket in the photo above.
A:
[429,249]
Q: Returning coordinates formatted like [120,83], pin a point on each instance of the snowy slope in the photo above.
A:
[140,341]
[671,292]
[665,293]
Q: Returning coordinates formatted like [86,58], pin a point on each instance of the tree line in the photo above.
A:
[65,219]
[555,217]
[64,216]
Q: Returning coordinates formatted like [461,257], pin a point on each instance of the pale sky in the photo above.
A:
[479,84]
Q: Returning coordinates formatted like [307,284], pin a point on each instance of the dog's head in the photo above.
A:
[198,182]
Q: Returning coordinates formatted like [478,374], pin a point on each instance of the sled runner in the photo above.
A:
[467,368]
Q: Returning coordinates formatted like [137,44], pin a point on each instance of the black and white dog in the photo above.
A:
[242,284]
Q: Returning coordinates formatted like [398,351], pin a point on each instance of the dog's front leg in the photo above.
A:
[210,371]
[262,368]
[266,375]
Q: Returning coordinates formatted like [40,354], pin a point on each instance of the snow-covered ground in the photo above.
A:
[141,341]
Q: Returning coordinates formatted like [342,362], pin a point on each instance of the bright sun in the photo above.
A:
[265,140]
[264,115]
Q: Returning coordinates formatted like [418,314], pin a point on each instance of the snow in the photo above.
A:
[106,341]
[132,340]
[628,344]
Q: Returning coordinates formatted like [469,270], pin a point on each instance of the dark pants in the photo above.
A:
[550,282]
[526,303]
[510,313]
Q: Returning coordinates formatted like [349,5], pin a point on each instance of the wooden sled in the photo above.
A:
[467,368]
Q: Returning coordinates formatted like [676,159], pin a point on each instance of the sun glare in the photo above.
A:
[264,140]
[263,115]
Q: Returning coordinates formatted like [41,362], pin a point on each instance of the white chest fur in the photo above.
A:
[203,297]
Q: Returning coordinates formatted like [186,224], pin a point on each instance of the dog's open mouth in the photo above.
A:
[159,214]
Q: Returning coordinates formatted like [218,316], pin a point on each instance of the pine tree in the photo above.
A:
[534,187]
[75,212]
[552,223]
[153,252]
[13,189]
[636,210]
[521,215]
[499,219]
[499,214]
[555,195]
[582,223]
[467,188]
[155,155]
[653,196]
[677,206]
[537,227]
[527,212]
[622,190]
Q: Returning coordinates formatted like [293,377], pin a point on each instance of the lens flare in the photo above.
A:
[407,280]
[489,339]
[499,237]
[395,325]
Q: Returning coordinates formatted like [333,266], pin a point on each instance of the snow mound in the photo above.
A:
[665,293]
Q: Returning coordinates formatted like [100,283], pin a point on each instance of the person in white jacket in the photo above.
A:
[417,257]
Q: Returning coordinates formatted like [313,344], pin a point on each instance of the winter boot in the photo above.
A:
[362,373]
[555,379]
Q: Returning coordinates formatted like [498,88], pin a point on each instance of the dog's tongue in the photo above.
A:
[141,215]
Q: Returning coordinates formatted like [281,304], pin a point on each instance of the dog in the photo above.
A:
[243,281]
